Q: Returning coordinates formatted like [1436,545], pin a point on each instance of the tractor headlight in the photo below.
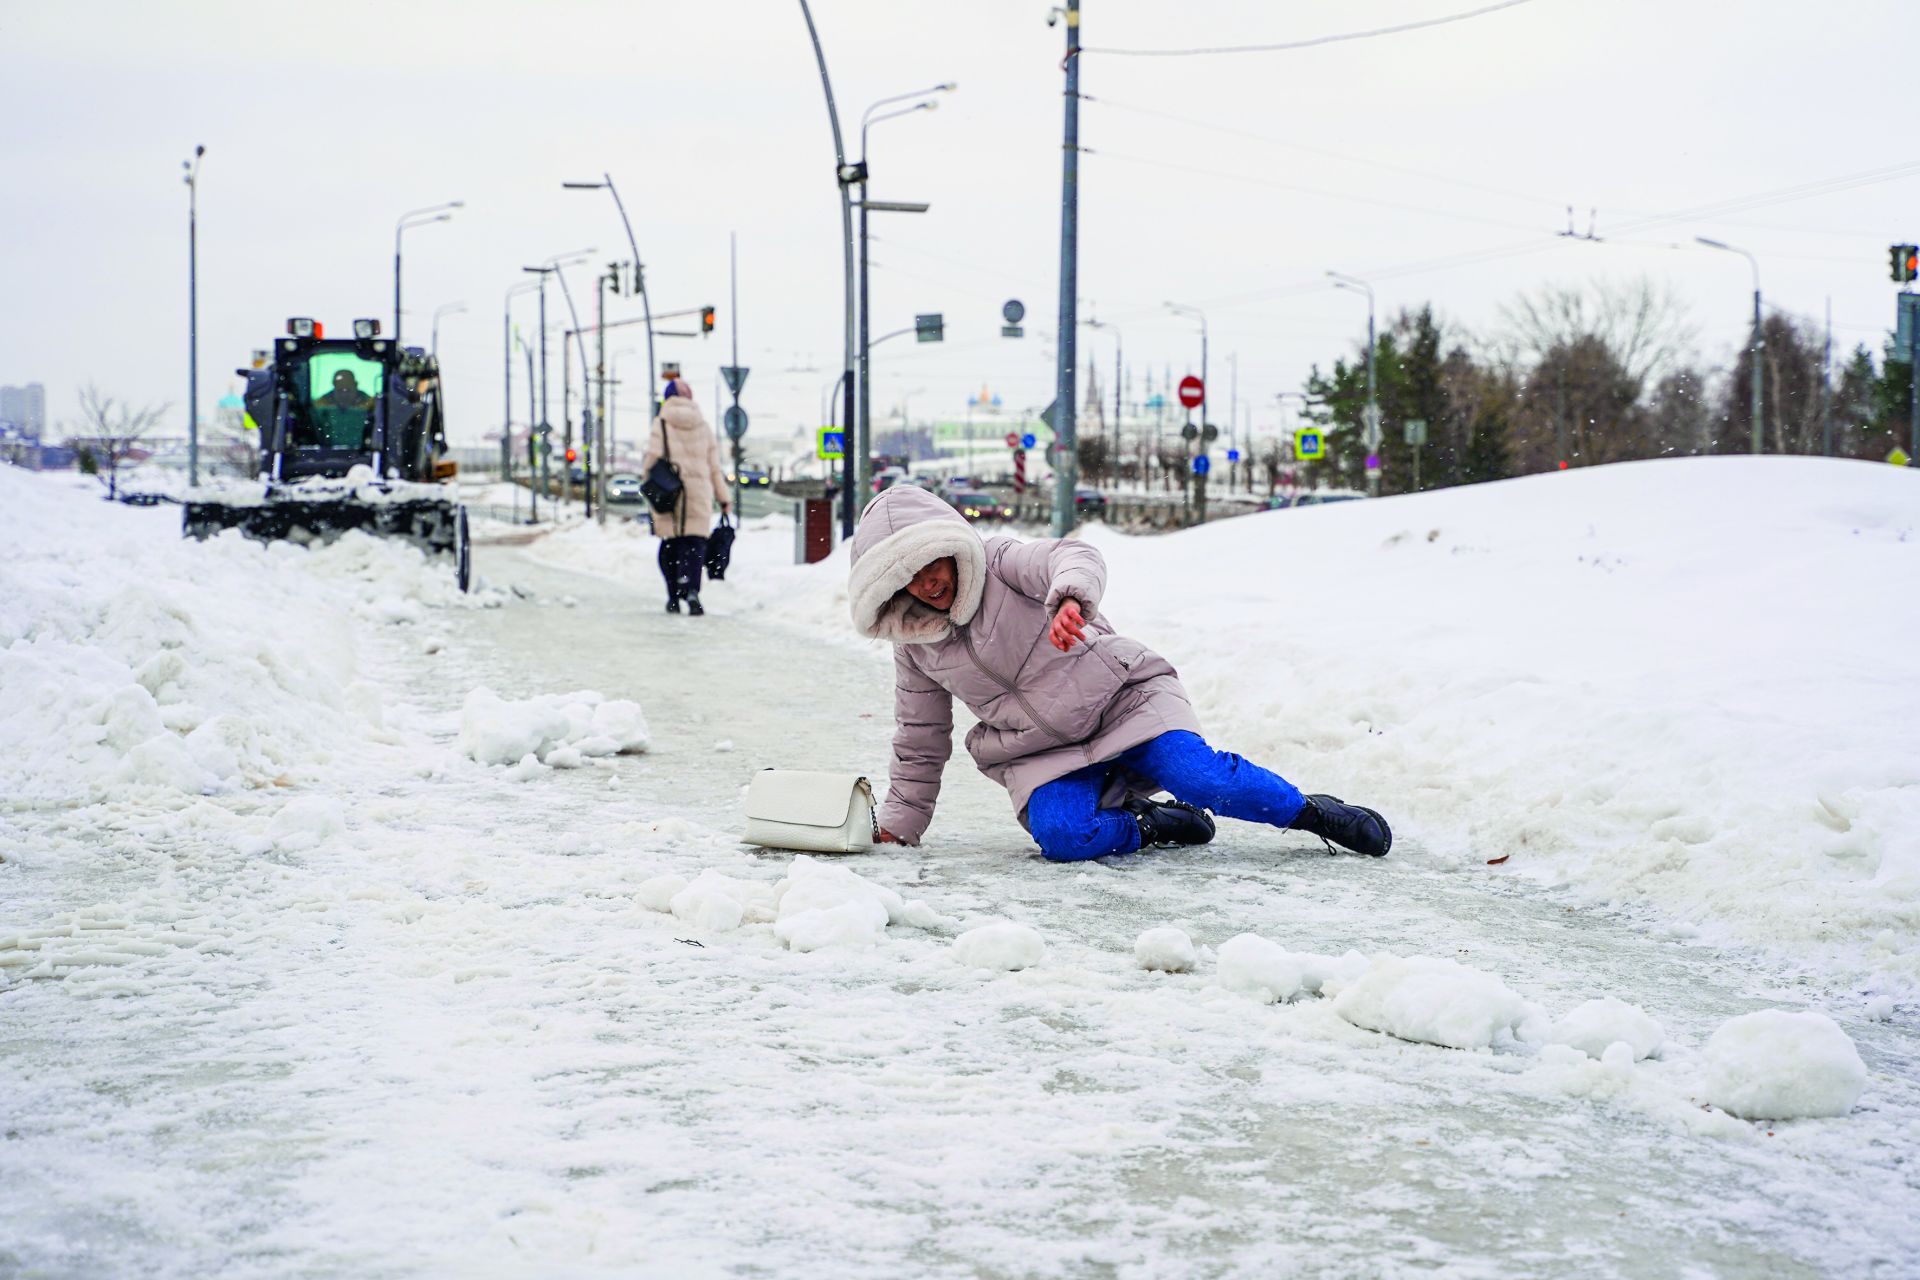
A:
[302,327]
[366,329]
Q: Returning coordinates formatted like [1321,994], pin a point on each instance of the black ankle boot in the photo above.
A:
[673,604]
[1350,826]
[1171,823]
[694,608]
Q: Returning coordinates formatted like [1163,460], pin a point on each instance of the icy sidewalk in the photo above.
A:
[434,1029]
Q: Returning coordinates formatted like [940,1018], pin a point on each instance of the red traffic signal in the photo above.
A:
[1903,263]
[573,455]
[706,319]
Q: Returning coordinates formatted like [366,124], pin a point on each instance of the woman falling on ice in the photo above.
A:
[1081,726]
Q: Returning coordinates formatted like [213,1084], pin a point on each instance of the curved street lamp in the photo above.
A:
[1372,430]
[415,218]
[1758,340]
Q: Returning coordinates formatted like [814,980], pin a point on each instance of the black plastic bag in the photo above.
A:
[720,549]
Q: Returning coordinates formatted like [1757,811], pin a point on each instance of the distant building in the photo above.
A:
[25,409]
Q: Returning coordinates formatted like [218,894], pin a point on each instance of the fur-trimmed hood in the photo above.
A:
[902,531]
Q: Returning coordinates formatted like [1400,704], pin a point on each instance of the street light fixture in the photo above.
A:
[409,219]
[1758,340]
[1371,433]
[445,309]
[639,283]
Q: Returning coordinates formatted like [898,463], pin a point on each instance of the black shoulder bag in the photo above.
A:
[720,549]
[662,488]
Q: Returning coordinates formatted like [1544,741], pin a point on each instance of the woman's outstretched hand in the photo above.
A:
[1069,628]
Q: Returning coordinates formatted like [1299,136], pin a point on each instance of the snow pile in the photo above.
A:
[132,658]
[302,825]
[1437,1001]
[1002,946]
[1164,951]
[559,729]
[1774,1065]
[813,907]
[1596,1026]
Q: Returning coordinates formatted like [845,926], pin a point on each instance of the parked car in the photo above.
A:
[1089,502]
[981,506]
[1321,497]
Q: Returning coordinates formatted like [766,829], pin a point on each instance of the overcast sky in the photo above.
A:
[1229,182]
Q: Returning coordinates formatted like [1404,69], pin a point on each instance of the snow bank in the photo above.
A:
[1165,951]
[1002,946]
[1437,1001]
[558,728]
[1267,971]
[1670,684]
[1596,1026]
[133,659]
[1774,1065]
[814,906]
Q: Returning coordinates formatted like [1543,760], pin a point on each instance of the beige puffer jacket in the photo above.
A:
[683,435]
[1043,714]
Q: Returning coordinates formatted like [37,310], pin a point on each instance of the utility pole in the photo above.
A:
[1759,334]
[1196,478]
[414,218]
[845,175]
[1826,387]
[737,378]
[597,477]
[193,314]
[506,419]
[1372,432]
[1066,457]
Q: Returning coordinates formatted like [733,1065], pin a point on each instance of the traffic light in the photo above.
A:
[1903,262]
[706,318]
[573,455]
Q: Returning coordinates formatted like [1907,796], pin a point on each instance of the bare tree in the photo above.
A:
[112,431]
[1642,327]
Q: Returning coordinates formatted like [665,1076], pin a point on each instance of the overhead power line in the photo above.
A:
[1316,40]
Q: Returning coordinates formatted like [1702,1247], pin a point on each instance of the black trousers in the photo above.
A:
[681,562]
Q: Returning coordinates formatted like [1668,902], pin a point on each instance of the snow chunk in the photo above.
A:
[1775,1065]
[820,905]
[1002,945]
[1598,1024]
[305,823]
[720,904]
[1267,971]
[560,729]
[1165,950]
[657,894]
[1434,1000]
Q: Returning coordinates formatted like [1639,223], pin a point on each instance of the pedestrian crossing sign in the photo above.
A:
[1308,445]
[1898,457]
[833,444]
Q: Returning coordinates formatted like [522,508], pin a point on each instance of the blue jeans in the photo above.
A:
[1069,825]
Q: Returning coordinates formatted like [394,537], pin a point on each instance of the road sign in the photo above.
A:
[1013,439]
[1373,465]
[1012,331]
[930,328]
[1416,432]
[735,420]
[1308,445]
[1898,457]
[1029,440]
[1202,465]
[1014,312]
[1189,432]
[1233,455]
[1210,432]
[1371,436]
[1193,392]
[833,444]
[736,376]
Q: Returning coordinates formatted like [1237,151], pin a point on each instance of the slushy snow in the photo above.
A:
[1165,950]
[1595,1026]
[1774,1065]
[1434,1000]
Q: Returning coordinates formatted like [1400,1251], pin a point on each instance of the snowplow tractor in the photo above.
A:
[352,436]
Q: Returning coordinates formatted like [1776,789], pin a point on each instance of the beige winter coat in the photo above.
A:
[1043,713]
[684,437]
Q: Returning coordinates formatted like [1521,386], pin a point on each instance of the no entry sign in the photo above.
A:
[1193,392]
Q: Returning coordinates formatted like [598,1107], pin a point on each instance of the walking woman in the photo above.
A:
[684,438]
[1082,726]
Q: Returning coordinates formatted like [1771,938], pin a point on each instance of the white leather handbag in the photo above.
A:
[810,810]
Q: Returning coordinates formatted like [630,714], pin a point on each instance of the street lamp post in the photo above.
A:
[506,420]
[586,396]
[1371,435]
[1758,341]
[414,218]
[845,175]
[551,265]
[193,313]
[639,284]
[862,441]
[445,309]
[1066,459]
[1199,479]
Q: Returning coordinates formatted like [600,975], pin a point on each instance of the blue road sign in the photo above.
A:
[1307,444]
[1202,465]
[1233,455]
[1028,440]
[833,444]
